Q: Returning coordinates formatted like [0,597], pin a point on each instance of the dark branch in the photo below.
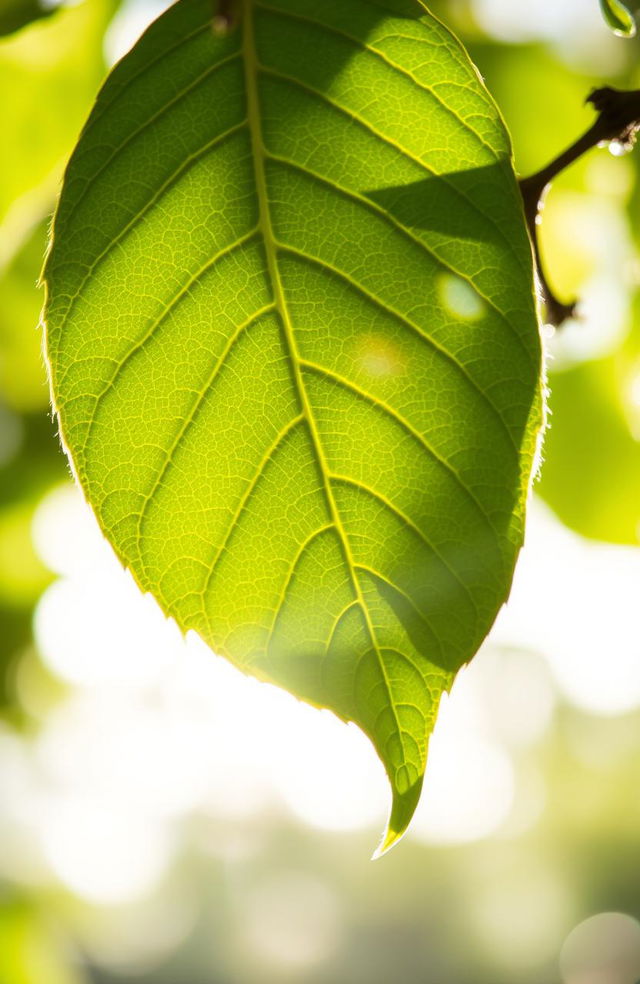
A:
[618,121]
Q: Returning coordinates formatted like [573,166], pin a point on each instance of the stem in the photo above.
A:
[618,120]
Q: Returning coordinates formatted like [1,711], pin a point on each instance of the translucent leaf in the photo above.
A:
[619,18]
[293,349]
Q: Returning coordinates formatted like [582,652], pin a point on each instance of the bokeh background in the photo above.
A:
[165,820]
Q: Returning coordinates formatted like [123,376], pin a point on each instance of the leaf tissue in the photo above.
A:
[618,17]
[293,349]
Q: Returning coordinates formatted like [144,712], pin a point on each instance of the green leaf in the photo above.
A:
[618,17]
[294,353]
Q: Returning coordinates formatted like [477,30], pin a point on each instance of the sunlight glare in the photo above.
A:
[329,775]
[104,852]
[65,533]
[131,19]
[469,785]
[574,28]
[459,298]
[575,602]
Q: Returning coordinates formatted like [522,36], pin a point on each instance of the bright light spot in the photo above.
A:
[576,29]
[144,751]
[459,298]
[204,735]
[94,625]
[103,852]
[601,323]
[546,19]
[604,949]
[329,775]
[240,719]
[619,148]
[378,356]
[588,243]
[514,690]
[469,786]
[90,632]
[65,533]
[504,699]
[131,20]
[292,920]
[266,741]
[584,617]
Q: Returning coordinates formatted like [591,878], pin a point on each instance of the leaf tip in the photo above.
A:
[402,809]
[619,18]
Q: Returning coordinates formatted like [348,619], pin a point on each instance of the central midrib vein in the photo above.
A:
[250,61]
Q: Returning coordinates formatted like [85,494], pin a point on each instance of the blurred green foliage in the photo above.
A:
[32,951]
[48,76]
[22,380]
[49,73]
[15,14]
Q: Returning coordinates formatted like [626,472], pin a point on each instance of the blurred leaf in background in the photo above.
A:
[15,14]
[49,72]
[592,471]
[32,951]
[22,379]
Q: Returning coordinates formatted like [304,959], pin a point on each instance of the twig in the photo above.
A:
[618,120]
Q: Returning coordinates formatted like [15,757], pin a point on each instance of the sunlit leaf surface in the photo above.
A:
[293,349]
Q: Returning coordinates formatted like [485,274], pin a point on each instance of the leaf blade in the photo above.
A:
[618,17]
[297,366]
